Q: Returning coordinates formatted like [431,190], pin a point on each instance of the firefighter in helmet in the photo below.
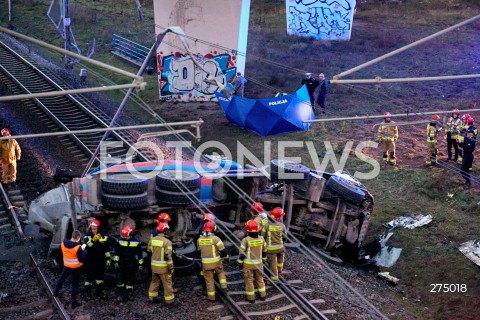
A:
[451,133]
[98,257]
[10,153]
[432,133]
[259,215]
[461,136]
[274,233]
[388,137]
[162,266]
[467,161]
[162,218]
[252,255]
[212,251]
[127,260]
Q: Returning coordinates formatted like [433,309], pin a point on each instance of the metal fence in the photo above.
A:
[129,49]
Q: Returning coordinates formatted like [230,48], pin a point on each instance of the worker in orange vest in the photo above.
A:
[73,256]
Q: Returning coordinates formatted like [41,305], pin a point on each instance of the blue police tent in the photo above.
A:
[271,116]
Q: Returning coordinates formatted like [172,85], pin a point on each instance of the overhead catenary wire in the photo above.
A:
[250,201]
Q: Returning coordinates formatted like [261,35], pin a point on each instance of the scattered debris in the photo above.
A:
[387,257]
[471,249]
[409,220]
[387,276]
[3,295]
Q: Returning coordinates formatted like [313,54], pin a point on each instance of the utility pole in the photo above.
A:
[66,29]
[10,25]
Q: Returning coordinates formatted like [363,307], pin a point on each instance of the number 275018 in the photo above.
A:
[447,288]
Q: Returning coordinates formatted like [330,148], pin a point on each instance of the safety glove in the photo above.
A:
[115,262]
[108,263]
[140,265]
[226,259]
[97,237]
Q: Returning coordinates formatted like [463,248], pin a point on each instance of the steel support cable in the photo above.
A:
[452,168]
[236,189]
[369,117]
[250,201]
[425,39]
[226,232]
[375,97]
[240,53]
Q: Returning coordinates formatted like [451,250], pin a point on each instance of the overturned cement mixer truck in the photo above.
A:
[331,208]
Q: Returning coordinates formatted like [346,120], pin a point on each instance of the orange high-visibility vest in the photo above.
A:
[70,257]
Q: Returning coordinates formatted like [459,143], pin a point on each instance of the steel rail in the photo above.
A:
[231,304]
[55,301]
[18,227]
[73,132]
[95,117]
[74,55]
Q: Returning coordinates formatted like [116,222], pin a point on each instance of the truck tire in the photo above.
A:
[346,189]
[166,180]
[125,202]
[288,167]
[124,184]
[176,197]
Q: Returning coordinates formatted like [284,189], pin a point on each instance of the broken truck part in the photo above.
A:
[331,208]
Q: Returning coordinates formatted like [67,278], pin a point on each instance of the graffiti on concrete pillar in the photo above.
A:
[181,79]
[215,31]
[321,19]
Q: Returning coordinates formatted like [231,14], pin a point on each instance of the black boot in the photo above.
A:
[88,293]
[130,294]
[122,295]
[100,291]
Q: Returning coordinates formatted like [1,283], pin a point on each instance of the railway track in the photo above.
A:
[61,113]
[286,300]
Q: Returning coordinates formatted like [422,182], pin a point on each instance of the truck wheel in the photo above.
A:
[166,180]
[124,184]
[176,197]
[346,189]
[288,167]
[125,202]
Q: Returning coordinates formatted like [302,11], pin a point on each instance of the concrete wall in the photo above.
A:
[321,19]
[216,31]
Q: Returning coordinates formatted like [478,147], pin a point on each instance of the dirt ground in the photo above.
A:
[377,31]
[429,254]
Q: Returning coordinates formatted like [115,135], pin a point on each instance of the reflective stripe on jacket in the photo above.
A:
[70,256]
[387,133]
[253,249]
[161,249]
[453,126]
[210,247]
[431,133]
[273,234]
[9,151]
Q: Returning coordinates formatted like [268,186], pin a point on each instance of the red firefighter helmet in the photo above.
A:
[5,132]
[209,226]
[163,217]
[208,217]
[387,114]
[435,117]
[277,213]
[252,226]
[470,120]
[127,231]
[466,116]
[94,223]
[257,208]
[456,111]
[162,227]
